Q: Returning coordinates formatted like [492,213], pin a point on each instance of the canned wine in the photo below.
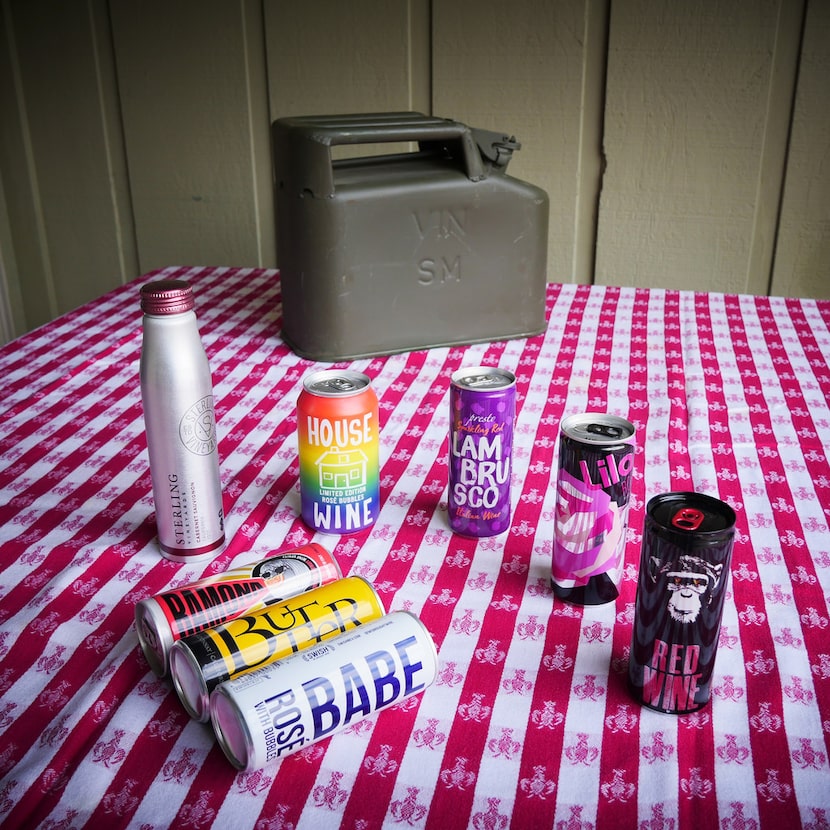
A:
[681,590]
[482,412]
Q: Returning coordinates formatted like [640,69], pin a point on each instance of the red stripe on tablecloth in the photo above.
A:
[388,573]
[31,646]
[72,432]
[415,526]
[146,754]
[453,798]
[371,794]
[63,606]
[676,351]
[62,554]
[598,400]
[77,743]
[780,476]
[73,668]
[152,755]
[300,772]
[544,737]
[619,767]
[763,694]
[56,350]
[806,316]
[87,741]
[697,372]
[810,328]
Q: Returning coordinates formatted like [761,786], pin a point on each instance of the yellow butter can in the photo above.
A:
[200,662]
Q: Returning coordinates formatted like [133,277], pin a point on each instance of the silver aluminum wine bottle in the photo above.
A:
[177,396]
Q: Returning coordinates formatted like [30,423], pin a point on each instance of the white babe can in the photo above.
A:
[272,712]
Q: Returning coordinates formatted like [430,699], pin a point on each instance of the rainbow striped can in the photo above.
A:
[339,437]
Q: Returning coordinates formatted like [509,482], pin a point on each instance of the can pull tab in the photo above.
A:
[605,430]
[341,385]
[688,518]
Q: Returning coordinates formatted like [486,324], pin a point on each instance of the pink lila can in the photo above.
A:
[482,411]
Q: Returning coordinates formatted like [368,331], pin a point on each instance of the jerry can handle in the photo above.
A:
[302,145]
[440,130]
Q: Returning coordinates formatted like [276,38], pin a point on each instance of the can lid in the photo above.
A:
[163,297]
[189,682]
[153,634]
[336,383]
[232,732]
[598,428]
[483,378]
[704,516]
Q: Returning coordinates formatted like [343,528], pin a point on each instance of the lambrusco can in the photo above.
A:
[180,612]
[339,438]
[593,488]
[684,569]
[179,419]
[269,713]
[482,411]
[199,663]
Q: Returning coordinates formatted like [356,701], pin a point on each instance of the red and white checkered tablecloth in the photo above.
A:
[529,724]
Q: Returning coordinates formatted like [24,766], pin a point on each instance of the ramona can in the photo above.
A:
[339,438]
[272,712]
[199,663]
[596,460]
[180,612]
[684,569]
[482,412]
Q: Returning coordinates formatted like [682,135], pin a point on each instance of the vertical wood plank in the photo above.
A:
[687,122]
[773,160]
[194,116]
[534,69]
[326,57]
[20,238]
[261,169]
[63,162]
[802,259]
[329,57]
[12,318]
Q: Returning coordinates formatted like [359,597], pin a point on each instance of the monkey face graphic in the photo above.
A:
[690,583]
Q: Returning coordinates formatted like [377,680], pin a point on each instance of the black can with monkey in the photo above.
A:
[684,570]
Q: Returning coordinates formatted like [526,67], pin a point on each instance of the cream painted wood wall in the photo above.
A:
[684,143]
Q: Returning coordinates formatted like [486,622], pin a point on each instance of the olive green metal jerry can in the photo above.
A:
[407,250]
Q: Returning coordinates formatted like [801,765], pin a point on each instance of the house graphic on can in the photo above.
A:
[340,469]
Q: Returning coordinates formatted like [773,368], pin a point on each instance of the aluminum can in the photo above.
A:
[339,440]
[593,489]
[482,412]
[272,712]
[199,663]
[681,588]
[181,612]
[177,398]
